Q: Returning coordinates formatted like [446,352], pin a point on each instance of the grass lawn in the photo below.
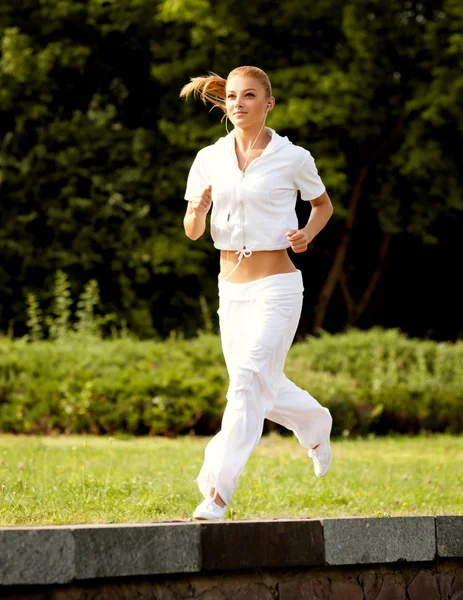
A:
[89,479]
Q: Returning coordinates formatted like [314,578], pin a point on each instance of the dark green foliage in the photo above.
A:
[96,146]
[62,324]
[382,381]
[82,163]
[88,385]
[378,381]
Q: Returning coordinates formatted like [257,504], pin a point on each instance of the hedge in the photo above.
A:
[375,381]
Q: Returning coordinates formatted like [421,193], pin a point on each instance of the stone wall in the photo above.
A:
[442,580]
[402,558]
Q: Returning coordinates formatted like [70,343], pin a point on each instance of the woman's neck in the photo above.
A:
[256,138]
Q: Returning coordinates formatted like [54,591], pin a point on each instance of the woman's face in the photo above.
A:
[246,102]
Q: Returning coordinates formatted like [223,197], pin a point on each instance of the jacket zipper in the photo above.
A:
[242,211]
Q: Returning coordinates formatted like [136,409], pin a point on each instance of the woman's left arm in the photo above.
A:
[322,209]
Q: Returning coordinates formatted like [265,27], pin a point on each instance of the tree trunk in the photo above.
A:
[356,309]
[340,255]
[335,271]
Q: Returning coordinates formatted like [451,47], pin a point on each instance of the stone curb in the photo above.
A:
[367,541]
[62,554]
[449,536]
[252,544]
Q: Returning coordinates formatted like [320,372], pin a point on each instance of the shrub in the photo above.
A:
[396,383]
[375,381]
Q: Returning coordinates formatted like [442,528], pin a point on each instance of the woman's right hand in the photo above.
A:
[202,204]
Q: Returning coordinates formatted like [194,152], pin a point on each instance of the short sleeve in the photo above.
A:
[307,179]
[198,178]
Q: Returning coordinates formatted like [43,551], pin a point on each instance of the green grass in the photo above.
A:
[89,479]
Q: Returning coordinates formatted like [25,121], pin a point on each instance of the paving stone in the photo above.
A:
[445,581]
[230,586]
[321,587]
[36,555]
[391,589]
[260,544]
[362,541]
[72,593]
[131,591]
[296,589]
[424,585]
[202,584]
[122,550]
[182,588]
[371,584]
[457,584]
[22,593]
[213,594]
[255,591]
[449,534]
[346,590]
[105,591]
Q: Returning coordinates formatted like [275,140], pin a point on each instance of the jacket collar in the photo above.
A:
[275,143]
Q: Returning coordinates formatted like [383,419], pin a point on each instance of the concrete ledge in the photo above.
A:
[63,554]
[259,544]
[365,541]
[36,555]
[449,536]
[122,550]
[49,555]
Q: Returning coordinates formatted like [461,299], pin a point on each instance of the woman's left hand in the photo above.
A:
[298,240]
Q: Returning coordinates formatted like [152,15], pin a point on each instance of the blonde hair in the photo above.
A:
[212,88]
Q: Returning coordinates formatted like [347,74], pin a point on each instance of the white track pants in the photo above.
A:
[258,321]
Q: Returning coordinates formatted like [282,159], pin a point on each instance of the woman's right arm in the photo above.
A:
[194,221]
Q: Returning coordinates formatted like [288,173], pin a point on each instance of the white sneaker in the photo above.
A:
[209,510]
[321,457]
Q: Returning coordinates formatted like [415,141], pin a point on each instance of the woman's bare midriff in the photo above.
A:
[258,265]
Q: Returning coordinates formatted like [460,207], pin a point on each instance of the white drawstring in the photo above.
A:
[241,253]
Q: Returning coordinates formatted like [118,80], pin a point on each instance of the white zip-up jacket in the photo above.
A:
[253,210]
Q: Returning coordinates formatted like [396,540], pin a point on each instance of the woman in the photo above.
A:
[250,178]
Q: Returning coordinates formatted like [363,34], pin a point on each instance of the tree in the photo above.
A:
[96,146]
[374,90]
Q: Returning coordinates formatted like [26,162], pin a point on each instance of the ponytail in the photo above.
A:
[210,88]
